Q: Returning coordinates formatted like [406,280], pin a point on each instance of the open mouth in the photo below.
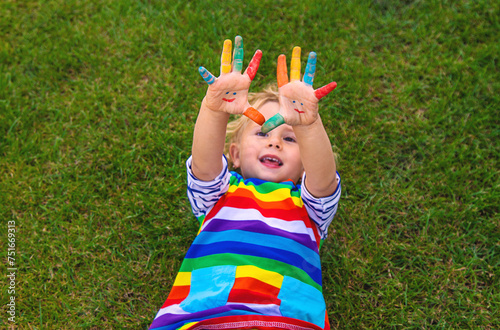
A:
[228,100]
[271,161]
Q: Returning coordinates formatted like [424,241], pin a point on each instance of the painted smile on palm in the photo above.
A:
[299,111]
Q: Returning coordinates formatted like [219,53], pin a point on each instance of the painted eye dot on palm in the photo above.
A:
[296,104]
[229,97]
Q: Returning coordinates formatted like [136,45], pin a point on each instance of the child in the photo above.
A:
[255,261]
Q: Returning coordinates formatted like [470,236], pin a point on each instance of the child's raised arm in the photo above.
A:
[226,95]
[299,108]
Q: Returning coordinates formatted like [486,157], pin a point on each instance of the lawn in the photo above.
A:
[97,107]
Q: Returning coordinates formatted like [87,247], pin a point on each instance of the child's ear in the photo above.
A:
[234,152]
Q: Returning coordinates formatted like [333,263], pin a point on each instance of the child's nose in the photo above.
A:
[274,142]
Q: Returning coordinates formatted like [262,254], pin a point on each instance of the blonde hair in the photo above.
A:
[236,127]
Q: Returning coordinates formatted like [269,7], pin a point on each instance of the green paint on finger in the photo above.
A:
[272,123]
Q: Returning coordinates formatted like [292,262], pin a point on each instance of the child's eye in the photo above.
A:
[259,133]
[289,139]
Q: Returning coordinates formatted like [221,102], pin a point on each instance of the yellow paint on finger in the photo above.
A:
[295,64]
[225,63]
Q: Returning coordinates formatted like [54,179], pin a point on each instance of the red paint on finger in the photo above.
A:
[323,91]
[228,100]
[253,66]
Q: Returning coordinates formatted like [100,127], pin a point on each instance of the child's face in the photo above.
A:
[274,156]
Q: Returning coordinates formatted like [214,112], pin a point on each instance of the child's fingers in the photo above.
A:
[295,64]
[238,54]
[272,123]
[255,115]
[281,73]
[206,75]
[323,91]
[225,61]
[310,69]
[253,66]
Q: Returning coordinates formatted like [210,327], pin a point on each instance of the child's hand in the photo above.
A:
[229,92]
[298,99]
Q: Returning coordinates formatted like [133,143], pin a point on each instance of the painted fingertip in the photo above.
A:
[238,41]
[325,90]
[226,57]
[238,54]
[295,64]
[255,115]
[253,66]
[272,123]
[227,45]
[310,69]
[281,73]
[206,75]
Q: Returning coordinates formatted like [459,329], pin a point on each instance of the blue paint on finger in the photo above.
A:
[206,75]
[310,69]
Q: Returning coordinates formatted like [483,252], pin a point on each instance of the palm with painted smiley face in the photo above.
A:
[298,99]
[229,92]
[228,97]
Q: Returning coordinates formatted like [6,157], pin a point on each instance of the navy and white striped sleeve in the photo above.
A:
[321,210]
[204,194]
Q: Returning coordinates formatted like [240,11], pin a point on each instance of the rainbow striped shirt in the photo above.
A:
[255,261]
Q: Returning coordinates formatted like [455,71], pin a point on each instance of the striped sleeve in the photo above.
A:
[203,195]
[321,210]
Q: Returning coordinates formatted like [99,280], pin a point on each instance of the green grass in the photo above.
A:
[97,106]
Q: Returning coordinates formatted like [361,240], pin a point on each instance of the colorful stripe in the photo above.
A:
[262,241]
[258,227]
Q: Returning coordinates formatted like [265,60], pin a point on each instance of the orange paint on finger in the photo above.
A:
[281,73]
[255,115]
